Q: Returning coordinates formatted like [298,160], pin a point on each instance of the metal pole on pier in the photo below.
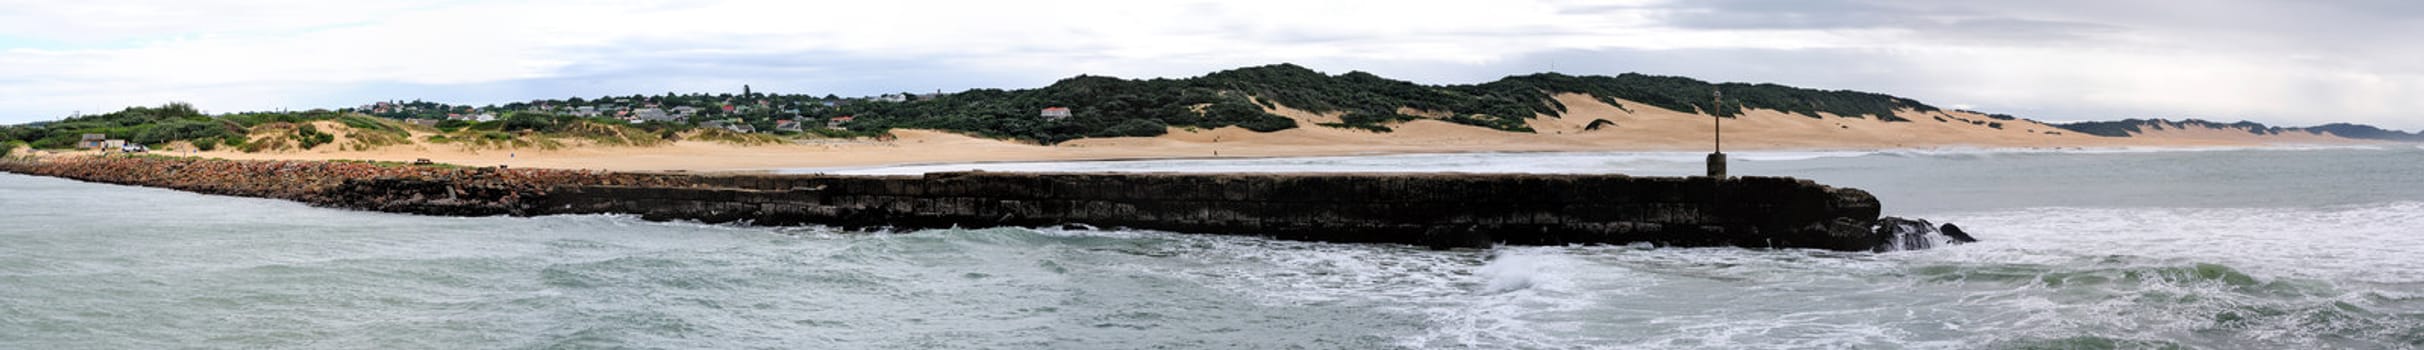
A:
[1717,155]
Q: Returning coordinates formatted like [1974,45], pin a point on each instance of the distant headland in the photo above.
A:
[1273,110]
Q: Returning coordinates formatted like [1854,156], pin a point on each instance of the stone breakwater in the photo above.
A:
[351,185]
[1437,210]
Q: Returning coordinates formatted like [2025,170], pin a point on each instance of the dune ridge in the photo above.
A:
[1625,126]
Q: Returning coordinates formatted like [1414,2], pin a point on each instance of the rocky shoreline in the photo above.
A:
[335,184]
[1437,210]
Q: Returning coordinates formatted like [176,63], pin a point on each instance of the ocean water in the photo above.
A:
[2221,249]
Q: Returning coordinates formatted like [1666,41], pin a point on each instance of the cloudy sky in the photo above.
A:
[2281,62]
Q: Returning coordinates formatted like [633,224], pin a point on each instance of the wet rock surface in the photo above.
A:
[1917,234]
[1435,210]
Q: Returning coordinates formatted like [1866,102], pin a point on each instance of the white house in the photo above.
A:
[653,114]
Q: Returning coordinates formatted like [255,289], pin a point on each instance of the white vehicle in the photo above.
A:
[133,149]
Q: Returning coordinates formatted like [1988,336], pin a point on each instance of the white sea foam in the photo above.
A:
[2371,242]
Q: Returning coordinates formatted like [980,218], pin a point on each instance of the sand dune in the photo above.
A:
[1636,127]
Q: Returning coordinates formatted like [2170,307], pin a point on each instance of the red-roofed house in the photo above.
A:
[836,122]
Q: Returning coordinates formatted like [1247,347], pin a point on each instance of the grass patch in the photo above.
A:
[730,137]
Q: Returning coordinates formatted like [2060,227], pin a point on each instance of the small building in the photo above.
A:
[482,117]
[92,141]
[893,98]
[652,114]
[836,122]
[786,125]
[1056,112]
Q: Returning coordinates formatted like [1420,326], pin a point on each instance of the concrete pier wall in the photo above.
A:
[1438,210]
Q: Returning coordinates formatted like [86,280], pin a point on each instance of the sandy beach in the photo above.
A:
[1636,127]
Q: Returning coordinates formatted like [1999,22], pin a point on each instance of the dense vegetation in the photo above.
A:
[2123,128]
[143,125]
[1101,107]
[2126,127]
[1106,106]
[2357,131]
[1690,95]
[285,131]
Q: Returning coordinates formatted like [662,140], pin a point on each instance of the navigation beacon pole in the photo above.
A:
[1717,157]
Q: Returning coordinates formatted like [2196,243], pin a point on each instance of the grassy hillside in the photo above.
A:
[1100,107]
[1105,106]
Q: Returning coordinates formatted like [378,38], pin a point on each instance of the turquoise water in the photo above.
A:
[2225,249]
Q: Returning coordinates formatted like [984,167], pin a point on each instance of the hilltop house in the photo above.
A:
[652,114]
[836,122]
[893,98]
[786,125]
[1056,113]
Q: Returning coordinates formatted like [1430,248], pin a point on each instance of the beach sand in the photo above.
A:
[1637,127]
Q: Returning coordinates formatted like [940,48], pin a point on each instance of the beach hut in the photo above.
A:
[92,141]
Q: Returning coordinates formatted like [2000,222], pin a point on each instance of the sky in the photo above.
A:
[2276,62]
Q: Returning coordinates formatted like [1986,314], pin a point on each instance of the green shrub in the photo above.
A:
[310,136]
